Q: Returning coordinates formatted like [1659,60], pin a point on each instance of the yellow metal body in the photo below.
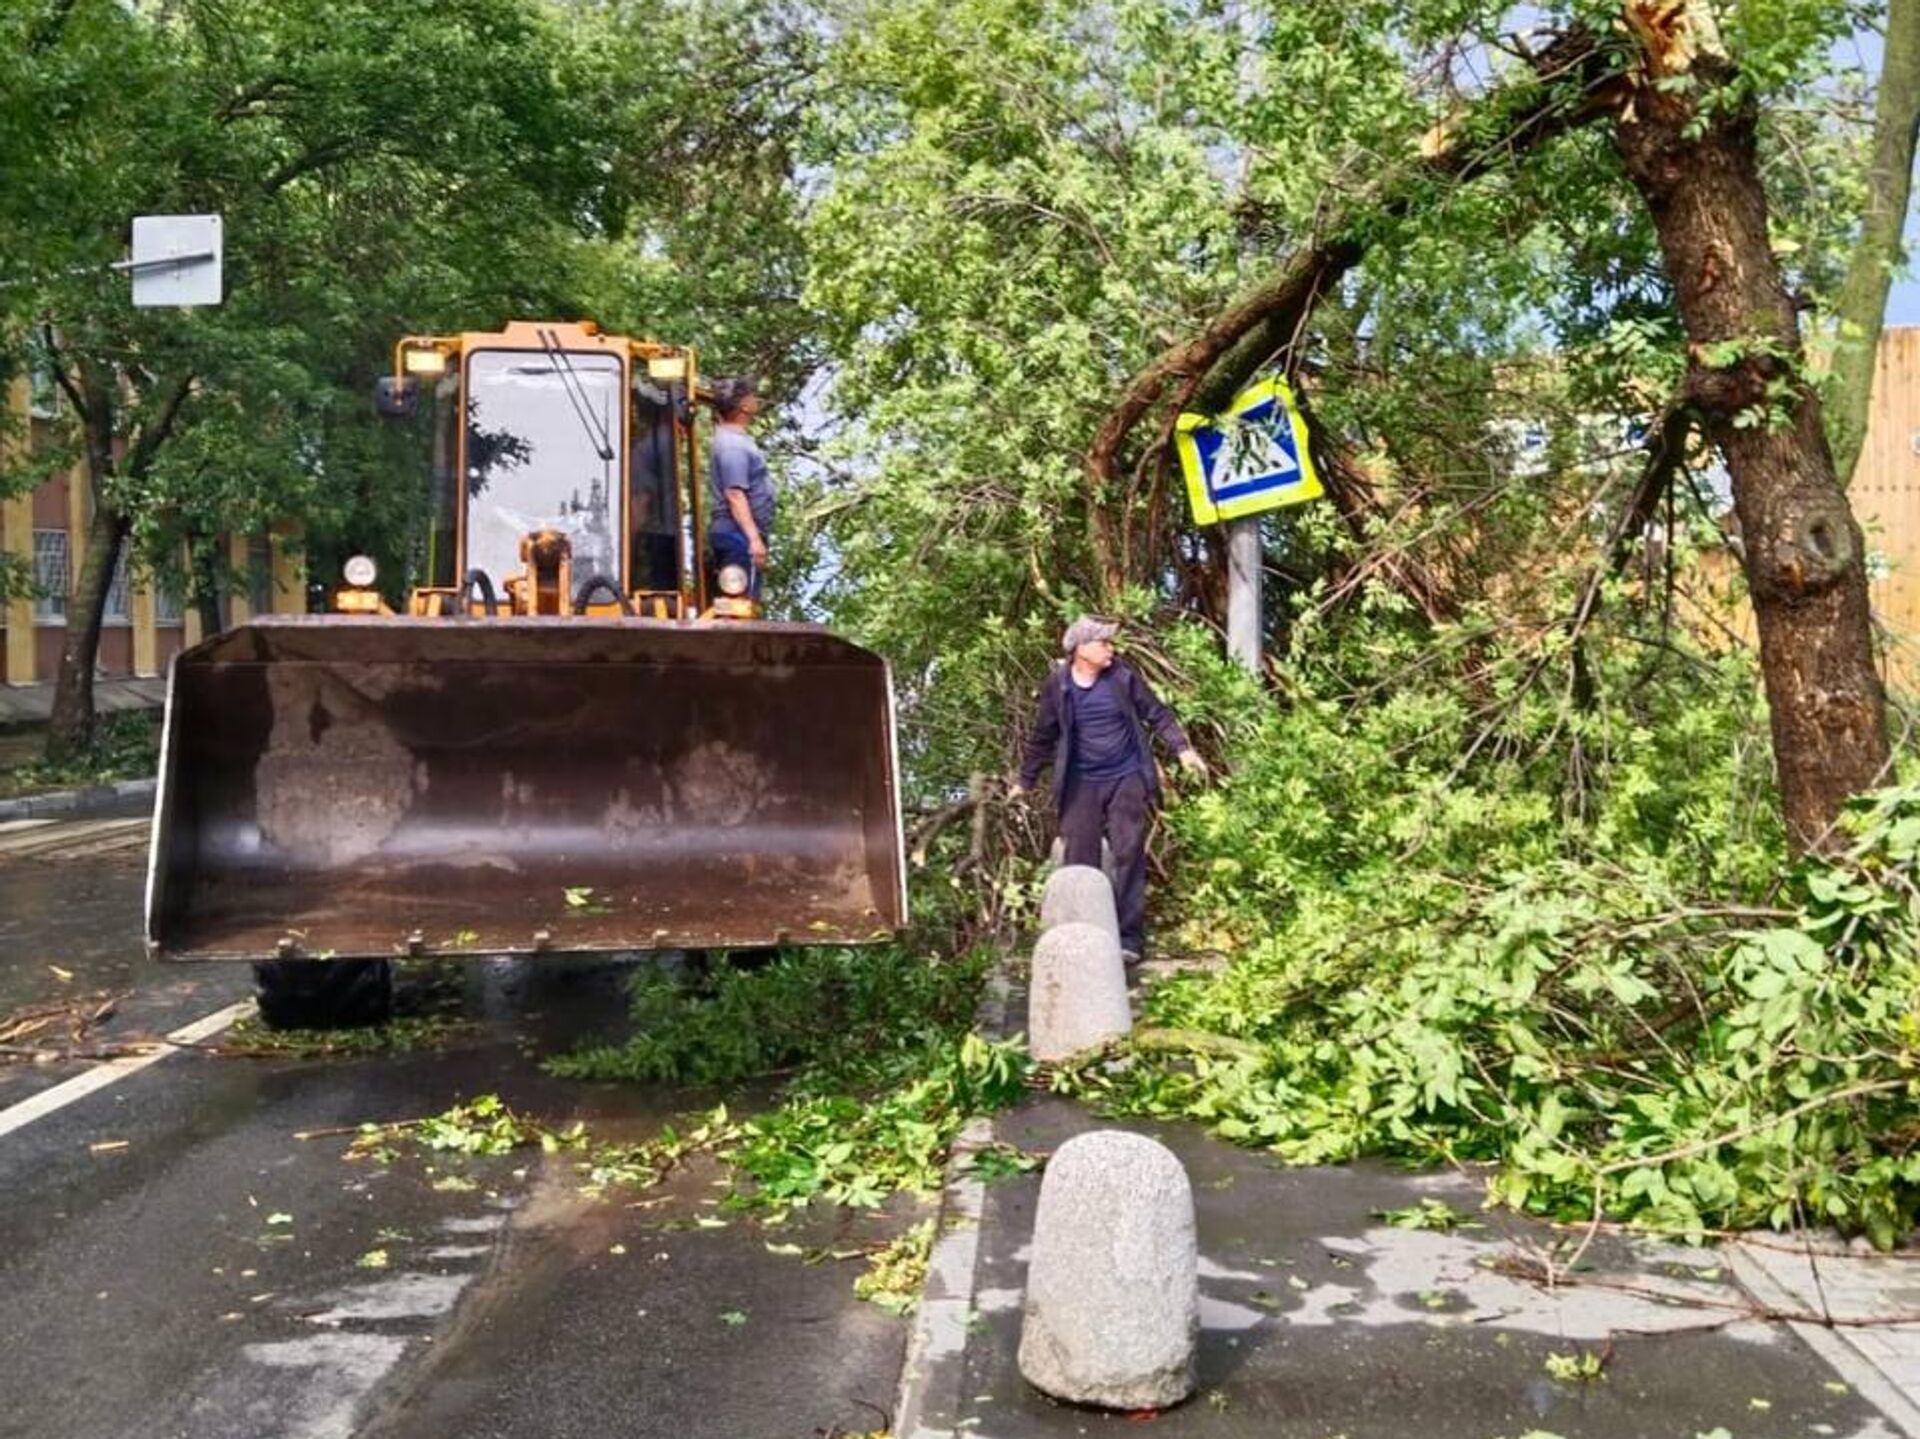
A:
[602,768]
[549,591]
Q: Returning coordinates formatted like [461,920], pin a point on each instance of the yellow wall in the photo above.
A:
[1886,499]
[16,538]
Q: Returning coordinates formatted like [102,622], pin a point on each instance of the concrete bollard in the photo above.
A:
[1112,1308]
[1078,994]
[1057,856]
[1078,893]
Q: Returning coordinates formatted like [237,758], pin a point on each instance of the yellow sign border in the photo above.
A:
[1205,510]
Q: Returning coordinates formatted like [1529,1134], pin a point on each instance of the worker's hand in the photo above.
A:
[1191,762]
[757,552]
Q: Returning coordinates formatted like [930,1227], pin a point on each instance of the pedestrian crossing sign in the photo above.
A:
[1252,458]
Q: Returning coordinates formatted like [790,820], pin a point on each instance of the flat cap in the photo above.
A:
[1085,630]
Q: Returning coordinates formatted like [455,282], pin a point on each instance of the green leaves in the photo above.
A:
[896,1273]
[882,1070]
[1638,1009]
[483,1125]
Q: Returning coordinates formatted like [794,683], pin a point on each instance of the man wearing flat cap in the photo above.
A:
[1091,726]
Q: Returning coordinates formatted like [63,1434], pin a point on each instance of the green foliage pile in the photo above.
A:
[1632,1007]
[835,1011]
[874,1046]
[857,1145]
[125,745]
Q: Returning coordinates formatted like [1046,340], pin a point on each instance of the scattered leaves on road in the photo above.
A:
[896,1273]
[1434,1214]
[1576,1368]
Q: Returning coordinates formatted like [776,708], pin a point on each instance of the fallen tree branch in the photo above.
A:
[1737,1310]
[1562,93]
[1747,1131]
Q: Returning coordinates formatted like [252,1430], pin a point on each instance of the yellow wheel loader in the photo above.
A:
[578,737]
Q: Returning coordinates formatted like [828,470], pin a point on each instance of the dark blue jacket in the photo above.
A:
[1051,739]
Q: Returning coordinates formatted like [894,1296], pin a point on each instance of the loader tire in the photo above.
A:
[323,994]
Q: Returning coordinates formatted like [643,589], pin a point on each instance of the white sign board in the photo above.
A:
[176,260]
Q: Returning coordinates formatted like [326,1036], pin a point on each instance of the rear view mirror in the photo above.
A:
[396,396]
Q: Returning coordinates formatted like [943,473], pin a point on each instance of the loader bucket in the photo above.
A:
[365,787]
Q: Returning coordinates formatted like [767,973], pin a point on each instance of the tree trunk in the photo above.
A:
[92,391]
[1862,305]
[1695,165]
[206,587]
[70,726]
[70,729]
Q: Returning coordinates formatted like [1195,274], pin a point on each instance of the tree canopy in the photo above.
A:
[1516,800]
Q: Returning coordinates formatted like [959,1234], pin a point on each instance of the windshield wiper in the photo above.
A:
[601,435]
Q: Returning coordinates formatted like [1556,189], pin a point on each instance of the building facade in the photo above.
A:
[1886,499]
[45,531]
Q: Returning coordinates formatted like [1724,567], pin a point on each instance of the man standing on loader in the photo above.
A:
[743,498]
[1091,726]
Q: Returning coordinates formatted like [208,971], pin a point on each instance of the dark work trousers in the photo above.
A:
[1117,808]
[730,547]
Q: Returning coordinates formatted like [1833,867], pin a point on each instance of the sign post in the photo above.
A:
[1243,592]
[1239,465]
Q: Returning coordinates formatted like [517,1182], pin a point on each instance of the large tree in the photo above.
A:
[375,169]
[1048,228]
[445,165]
[1687,134]
[1684,118]
[1881,253]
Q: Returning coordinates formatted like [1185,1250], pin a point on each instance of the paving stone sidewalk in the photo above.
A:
[1321,1320]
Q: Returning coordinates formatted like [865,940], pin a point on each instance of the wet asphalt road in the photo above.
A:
[175,1260]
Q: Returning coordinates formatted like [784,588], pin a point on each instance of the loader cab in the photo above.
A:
[563,474]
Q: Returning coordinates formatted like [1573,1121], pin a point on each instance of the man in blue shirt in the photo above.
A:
[741,489]
[1091,725]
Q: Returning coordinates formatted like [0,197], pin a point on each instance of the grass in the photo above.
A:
[126,745]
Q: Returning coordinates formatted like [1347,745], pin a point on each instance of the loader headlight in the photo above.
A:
[361,571]
[732,579]
[424,360]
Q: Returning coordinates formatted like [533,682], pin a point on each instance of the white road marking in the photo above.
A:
[112,1071]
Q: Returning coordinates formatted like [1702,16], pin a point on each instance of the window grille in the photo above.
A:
[43,390]
[51,576]
[119,594]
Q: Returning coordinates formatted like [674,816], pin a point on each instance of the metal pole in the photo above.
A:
[1243,592]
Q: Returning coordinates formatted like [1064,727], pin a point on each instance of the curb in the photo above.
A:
[127,799]
[1839,1347]
[930,1379]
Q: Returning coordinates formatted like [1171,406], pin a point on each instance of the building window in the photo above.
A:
[119,596]
[50,576]
[43,390]
[259,575]
[168,608]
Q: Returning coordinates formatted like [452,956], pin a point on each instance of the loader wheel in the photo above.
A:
[323,994]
